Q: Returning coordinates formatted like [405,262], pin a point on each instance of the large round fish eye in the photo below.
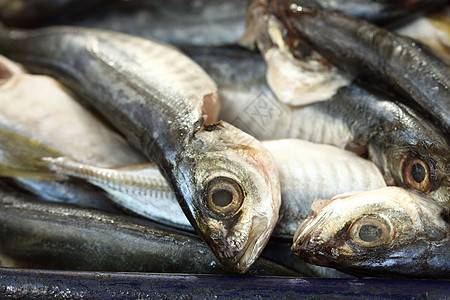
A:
[224,196]
[370,231]
[416,174]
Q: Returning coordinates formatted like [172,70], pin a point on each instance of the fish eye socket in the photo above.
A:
[416,174]
[370,231]
[224,196]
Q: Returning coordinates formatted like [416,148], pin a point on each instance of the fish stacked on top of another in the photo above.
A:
[410,151]
[383,245]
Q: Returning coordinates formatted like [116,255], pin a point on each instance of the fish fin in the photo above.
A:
[21,156]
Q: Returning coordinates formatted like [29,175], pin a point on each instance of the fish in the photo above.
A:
[37,234]
[307,171]
[390,62]
[39,116]
[387,232]
[400,141]
[164,104]
[177,22]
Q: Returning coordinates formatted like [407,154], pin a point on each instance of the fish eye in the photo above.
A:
[370,231]
[224,196]
[416,174]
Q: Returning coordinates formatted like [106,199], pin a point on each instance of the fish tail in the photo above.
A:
[24,157]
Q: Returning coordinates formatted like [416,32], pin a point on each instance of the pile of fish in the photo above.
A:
[289,135]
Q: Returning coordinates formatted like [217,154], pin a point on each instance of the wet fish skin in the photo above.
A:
[48,235]
[385,232]
[177,22]
[307,171]
[391,134]
[376,55]
[162,107]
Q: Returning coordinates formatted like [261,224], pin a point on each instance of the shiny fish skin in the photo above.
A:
[368,123]
[160,100]
[412,238]
[374,54]
[177,22]
[307,171]
[46,235]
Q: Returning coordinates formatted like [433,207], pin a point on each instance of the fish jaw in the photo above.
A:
[228,159]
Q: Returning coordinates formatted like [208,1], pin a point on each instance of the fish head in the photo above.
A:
[237,194]
[413,153]
[370,232]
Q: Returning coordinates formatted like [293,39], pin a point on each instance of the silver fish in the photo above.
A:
[384,232]
[410,151]
[224,179]
[390,62]
[56,236]
[307,171]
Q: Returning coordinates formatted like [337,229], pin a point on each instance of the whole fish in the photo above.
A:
[409,150]
[178,22]
[40,116]
[384,232]
[384,58]
[49,235]
[164,103]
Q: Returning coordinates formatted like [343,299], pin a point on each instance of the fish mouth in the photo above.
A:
[256,242]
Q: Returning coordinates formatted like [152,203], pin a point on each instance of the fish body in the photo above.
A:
[392,135]
[384,232]
[56,236]
[373,54]
[160,100]
[307,171]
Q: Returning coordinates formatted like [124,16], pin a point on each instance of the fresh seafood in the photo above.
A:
[384,58]
[164,103]
[307,171]
[409,150]
[178,22]
[48,235]
[40,116]
[32,13]
[384,232]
